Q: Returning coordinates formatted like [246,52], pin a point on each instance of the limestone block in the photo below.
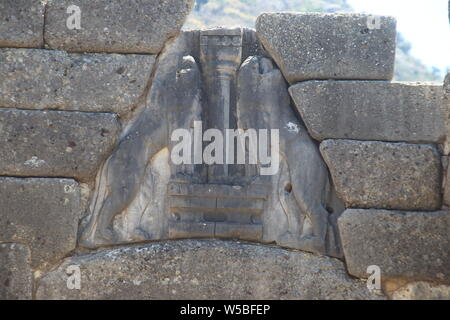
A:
[372,110]
[208,269]
[329,46]
[21,23]
[43,79]
[446,181]
[373,174]
[55,143]
[422,291]
[405,245]
[115,25]
[43,213]
[15,272]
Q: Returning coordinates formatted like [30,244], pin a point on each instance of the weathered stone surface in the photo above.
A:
[298,213]
[42,213]
[115,25]
[329,46]
[447,112]
[373,174]
[173,102]
[187,229]
[128,207]
[172,96]
[55,143]
[422,291]
[220,57]
[204,270]
[405,245]
[43,79]
[214,210]
[372,110]
[21,23]
[15,272]
[218,190]
[446,181]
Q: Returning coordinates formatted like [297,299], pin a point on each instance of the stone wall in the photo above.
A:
[86,117]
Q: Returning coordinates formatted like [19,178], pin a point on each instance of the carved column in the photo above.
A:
[220,56]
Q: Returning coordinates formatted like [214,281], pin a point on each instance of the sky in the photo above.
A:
[424,23]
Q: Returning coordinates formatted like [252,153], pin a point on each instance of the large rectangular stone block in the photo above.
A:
[15,272]
[115,25]
[405,245]
[22,23]
[372,110]
[329,46]
[43,79]
[55,143]
[373,174]
[199,270]
[43,213]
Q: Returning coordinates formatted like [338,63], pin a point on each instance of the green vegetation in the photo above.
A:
[230,13]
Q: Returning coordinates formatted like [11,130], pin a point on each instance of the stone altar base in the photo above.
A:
[217,211]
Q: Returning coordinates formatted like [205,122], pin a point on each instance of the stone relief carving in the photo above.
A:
[121,177]
[297,215]
[221,77]
[220,56]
